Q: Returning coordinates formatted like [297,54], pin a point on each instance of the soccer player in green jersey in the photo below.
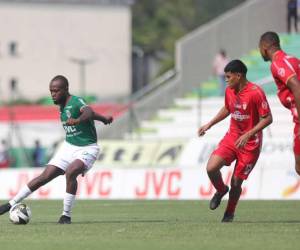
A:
[78,152]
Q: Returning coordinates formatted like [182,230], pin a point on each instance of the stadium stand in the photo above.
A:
[182,119]
[237,31]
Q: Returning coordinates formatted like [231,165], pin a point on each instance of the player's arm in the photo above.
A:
[221,115]
[294,85]
[87,113]
[104,119]
[263,122]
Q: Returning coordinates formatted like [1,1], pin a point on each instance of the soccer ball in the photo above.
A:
[20,214]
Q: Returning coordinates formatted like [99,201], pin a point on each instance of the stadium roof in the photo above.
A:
[87,2]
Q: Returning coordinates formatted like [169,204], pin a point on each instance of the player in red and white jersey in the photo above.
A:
[250,114]
[286,73]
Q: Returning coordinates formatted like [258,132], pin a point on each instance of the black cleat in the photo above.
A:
[5,208]
[64,219]
[216,199]
[228,217]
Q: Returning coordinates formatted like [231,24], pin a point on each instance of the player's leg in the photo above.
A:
[85,158]
[214,164]
[224,154]
[246,160]
[234,196]
[76,168]
[49,173]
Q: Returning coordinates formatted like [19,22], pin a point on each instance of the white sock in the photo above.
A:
[21,195]
[68,204]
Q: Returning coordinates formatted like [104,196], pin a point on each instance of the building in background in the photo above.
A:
[88,41]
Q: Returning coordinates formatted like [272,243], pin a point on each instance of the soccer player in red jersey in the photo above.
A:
[286,73]
[250,114]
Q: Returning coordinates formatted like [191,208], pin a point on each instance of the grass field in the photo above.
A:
[130,225]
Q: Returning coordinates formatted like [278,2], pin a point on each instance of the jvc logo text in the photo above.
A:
[69,129]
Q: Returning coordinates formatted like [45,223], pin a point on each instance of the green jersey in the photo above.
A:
[83,133]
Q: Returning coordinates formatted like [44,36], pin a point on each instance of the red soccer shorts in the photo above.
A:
[296,139]
[245,157]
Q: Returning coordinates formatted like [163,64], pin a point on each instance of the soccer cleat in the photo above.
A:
[228,217]
[216,199]
[4,208]
[64,219]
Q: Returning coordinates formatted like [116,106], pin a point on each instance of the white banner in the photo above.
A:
[122,172]
[275,153]
[175,183]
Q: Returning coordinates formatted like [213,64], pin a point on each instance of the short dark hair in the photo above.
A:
[61,78]
[270,37]
[236,66]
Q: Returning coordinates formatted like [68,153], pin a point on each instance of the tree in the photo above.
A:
[157,24]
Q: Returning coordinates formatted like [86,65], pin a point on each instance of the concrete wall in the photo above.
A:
[237,32]
[50,37]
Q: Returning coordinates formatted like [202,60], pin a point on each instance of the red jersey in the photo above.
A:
[284,67]
[246,108]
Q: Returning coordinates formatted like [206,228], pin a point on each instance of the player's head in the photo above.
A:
[59,89]
[269,42]
[235,72]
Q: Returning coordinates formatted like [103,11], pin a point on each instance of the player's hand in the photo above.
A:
[203,129]
[242,140]
[72,121]
[108,120]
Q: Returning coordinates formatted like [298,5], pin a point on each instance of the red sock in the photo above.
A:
[219,185]
[231,205]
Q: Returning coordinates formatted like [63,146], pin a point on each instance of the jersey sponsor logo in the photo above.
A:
[239,117]
[69,129]
[281,72]
[73,134]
